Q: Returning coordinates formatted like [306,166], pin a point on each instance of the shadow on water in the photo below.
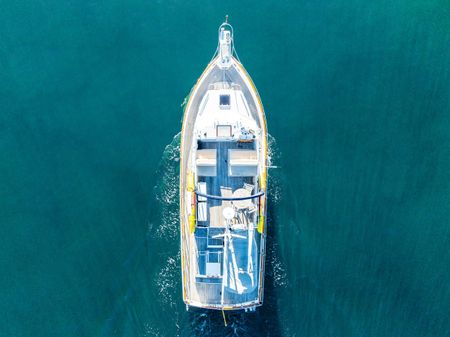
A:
[150,301]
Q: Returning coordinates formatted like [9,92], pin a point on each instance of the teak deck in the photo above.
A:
[203,289]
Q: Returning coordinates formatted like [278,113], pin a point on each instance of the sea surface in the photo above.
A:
[357,98]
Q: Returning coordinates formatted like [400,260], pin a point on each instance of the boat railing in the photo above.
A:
[218,197]
[223,85]
[228,27]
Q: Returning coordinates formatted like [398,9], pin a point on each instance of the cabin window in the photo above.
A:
[224,100]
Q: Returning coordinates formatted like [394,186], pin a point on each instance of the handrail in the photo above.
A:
[218,197]
[233,50]
[226,25]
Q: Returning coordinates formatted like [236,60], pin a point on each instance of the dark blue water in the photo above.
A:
[358,106]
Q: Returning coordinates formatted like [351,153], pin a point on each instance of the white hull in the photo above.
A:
[223,184]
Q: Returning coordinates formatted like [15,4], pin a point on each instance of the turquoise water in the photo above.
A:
[358,107]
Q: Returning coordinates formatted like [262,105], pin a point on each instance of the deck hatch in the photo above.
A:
[242,163]
[224,101]
[206,162]
[224,131]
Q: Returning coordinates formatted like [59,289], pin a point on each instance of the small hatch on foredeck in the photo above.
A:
[223,131]
[224,101]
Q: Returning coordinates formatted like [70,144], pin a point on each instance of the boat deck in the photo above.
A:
[222,184]
[237,280]
[232,287]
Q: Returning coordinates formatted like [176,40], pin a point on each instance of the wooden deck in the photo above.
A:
[238,287]
[222,184]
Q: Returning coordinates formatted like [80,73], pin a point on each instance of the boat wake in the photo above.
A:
[168,287]
[273,172]
[275,268]
[156,287]
[165,231]
[166,190]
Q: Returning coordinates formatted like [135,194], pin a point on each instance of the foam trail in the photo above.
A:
[166,190]
[166,228]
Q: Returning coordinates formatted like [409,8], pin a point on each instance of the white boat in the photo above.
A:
[223,185]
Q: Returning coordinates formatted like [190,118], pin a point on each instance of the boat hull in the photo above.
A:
[194,293]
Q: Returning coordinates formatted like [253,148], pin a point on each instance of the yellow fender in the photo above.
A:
[263,180]
[192,216]
[190,182]
[192,221]
[261,224]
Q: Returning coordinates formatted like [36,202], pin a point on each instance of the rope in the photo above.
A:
[224,319]
[218,197]
[235,53]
